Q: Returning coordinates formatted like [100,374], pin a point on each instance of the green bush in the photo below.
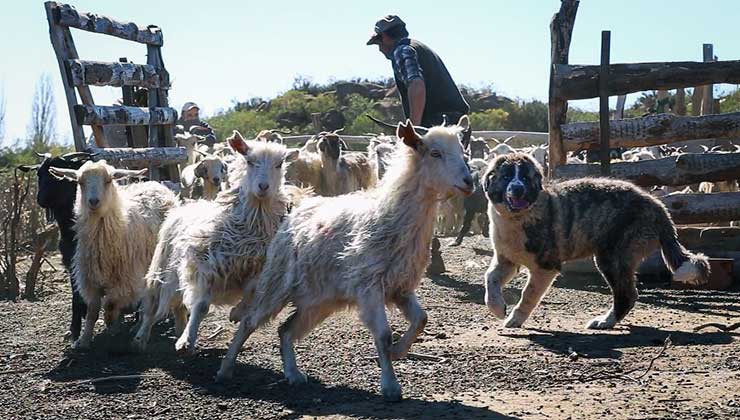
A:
[489,120]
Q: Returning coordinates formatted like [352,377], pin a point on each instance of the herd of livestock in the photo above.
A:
[257,226]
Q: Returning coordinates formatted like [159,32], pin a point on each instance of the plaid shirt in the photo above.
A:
[405,62]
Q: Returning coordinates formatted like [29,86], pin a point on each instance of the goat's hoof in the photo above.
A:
[236,314]
[183,349]
[223,376]
[600,323]
[81,344]
[68,336]
[454,243]
[296,378]
[138,344]
[391,393]
[514,320]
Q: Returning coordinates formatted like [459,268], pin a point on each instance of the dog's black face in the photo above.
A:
[513,182]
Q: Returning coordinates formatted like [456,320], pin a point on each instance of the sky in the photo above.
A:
[225,50]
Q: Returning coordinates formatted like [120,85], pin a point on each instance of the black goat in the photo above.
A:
[58,198]
[474,204]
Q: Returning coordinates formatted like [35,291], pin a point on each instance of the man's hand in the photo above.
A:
[417,99]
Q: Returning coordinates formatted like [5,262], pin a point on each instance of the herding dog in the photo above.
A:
[541,227]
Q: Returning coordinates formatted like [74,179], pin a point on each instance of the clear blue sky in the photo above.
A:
[222,50]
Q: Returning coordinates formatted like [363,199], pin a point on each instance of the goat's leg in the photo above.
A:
[417,318]
[372,313]
[539,282]
[467,222]
[79,309]
[297,326]
[246,328]
[186,342]
[93,311]
[148,312]
[180,313]
[499,273]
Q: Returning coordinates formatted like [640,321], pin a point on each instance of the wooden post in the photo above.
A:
[127,96]
[696,97]
[62,53]
[316,120]
[619,112]
[680,101]
[561,30]
[707,102]
[604,102]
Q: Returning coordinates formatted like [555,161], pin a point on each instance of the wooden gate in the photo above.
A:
[157,118]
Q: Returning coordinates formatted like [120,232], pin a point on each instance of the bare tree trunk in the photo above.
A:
[2,116]
[11,222]
[42,127]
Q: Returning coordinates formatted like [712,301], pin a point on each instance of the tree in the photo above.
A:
[2,115]
[42,127]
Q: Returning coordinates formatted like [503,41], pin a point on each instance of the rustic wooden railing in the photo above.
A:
[79,74]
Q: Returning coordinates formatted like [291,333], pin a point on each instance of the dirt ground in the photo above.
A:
[553,368]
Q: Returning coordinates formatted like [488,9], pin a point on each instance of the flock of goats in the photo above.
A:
[259,226]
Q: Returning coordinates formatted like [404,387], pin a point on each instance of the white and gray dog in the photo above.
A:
[542,226]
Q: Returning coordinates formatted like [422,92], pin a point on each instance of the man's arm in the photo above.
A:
[417,99]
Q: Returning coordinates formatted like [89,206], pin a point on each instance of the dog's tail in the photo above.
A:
[686,266]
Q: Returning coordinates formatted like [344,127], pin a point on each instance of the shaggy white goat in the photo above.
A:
[209,251]
[209,173]
[379,151]
[364,250]
[342,172]
[116,230]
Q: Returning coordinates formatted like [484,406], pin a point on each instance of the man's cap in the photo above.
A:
[385,24]
[188,106]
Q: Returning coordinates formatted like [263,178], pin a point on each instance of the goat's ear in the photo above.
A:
[237,143]
[464,123]
[407,133]
[28,168]
[63,174]
[292,155]
[126,173]
[200,170]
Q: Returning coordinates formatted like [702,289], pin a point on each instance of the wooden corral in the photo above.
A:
[569,81]
[151,126]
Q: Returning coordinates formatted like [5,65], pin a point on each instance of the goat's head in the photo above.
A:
[97,190]
[441,157]
[330,145]
[212,169]
[53,192]
[264,176]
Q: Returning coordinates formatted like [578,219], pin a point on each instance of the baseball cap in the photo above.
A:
[188,106]
[386,23]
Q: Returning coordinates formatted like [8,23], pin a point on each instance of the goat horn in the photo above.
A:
[46,155]
[420,130]
[73,155]
[275,130]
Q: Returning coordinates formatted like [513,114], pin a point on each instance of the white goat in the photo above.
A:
[379,151]
[208,251]
[342,172]
[188,141]
[363,250]
[116,231]
[207,174]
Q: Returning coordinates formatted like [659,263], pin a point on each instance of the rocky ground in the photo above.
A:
[465,365]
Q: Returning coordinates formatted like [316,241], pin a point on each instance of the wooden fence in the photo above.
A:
[150,126]
[588,81]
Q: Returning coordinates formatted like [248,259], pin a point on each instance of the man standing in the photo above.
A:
[190,121]
[426,87]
